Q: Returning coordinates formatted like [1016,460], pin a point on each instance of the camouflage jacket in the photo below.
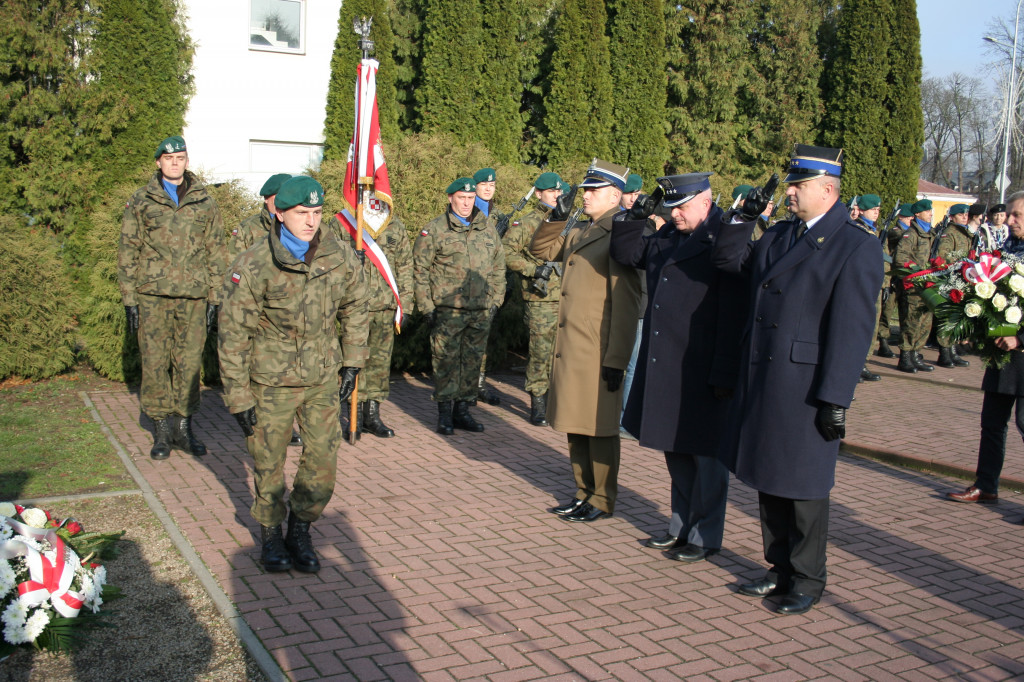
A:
[395,244]
[276,325]
[459,266]
[249,231]
[169,250]
[915,246]
[953,238]
[518,258]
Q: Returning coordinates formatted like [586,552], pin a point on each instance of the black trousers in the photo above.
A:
[795,534]
[995,414]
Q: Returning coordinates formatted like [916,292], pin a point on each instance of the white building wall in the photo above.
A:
[257,112]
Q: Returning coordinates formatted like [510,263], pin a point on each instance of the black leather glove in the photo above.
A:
[131,314]
[211,317]
[362,255]
[645,205]
[247,420]
[831,421]
[348,382]
[430,318]
[613,377]
[758,199]
[721,393]
[544,271]
[563,206]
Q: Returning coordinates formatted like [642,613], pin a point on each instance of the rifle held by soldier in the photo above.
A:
[505,219]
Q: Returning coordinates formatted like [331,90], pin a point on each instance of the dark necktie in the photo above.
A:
[799,232]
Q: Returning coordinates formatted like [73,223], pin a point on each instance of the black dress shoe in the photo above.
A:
[867,375]
[796,603]
[587,513]
[762,588]
[691,553]
[567,508]
[665,541]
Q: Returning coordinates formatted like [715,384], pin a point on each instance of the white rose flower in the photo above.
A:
[1013,315]
[34,517]
[1016,284]
[985,289]
[1019,267]
[999,301]
[7,509]
[36,623]
[972,309]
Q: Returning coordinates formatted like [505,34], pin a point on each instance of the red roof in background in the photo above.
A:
[925,187]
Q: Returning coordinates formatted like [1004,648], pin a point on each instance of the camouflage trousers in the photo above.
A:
[457,342]
[890,315]
[316,409]
[915,321]
[878,326]
[542,321]
[374,378]
[172,332]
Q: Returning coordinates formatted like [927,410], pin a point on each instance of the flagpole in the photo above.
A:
[362,29]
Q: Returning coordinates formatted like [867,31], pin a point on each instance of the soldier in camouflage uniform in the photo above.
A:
[374,387]
[955,238]
[486,185]
[280,356]
[915,246]
[170,266]
[541,284]
[459,271]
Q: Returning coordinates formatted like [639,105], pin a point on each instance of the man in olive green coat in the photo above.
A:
[459,272]
[541,284]
[956,238]
[170,264]
[279,359]
[915,247]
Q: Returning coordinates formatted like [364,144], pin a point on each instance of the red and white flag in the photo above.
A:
[366,156]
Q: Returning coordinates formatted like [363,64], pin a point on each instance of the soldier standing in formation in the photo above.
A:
[459,273]
[597,317]
[279,358]
[956,238]
[870,206]
[486,180]
[541,286]
[915,246]
[170,266]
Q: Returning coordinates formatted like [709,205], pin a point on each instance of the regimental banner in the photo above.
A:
[366,156]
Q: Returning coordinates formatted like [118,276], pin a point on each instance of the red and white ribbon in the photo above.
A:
[988,268]
[48,580]
[377,257]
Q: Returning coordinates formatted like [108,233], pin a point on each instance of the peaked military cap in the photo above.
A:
[273,184]
[170,145]
[681,188]
[462,185]
[741,191]
[921,205]
[603,173]
[548,180]
[998,208]
[813,162]
[300,190]
[634,183]
[976,210]
[957,209]
[485,175]
[906,210]
[869,201]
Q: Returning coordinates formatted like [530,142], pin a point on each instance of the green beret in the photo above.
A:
[922,205]
[273,184]
[548,180]
[299,190]
[462,185]
[484,175]
[957,209]
[174,143]
[869,201]
[741,191]
[906,210]
[634,183]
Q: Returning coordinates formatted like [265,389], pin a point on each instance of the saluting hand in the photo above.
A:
[757,199]
[645,205]
[563,206]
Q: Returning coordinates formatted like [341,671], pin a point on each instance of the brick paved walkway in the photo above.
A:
[441,564]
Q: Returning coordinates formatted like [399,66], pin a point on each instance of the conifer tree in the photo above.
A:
[502,89]
[639,83]
[903,136]
[406,18]
[537,26]
[340,114]
[578,121]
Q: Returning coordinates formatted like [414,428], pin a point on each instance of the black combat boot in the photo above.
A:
[296,438]
[372,423]
[957,360]
[462,419]
[184,438]
[945,357]
[485,394]
[921,365]
[883,349]
[300,546]
[907,363]
[273,553]
[539,410]
[345,433]
[444,418]
[161,439]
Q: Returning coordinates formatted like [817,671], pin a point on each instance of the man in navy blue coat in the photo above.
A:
[814,279]
[688,358]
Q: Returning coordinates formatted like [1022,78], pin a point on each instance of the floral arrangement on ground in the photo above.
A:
[51,582]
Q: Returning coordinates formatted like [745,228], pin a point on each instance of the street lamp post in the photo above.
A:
[1010,96]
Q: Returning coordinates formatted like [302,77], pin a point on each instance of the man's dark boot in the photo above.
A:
[462,419]
[957,360]
[372,423]
[907,363]
[883,349]
[539,410]
[945,357]
[273,553]
[161,439]
[485,394]
[185,438]
[444,418]
[347,413]
[300,546]
[921,365]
